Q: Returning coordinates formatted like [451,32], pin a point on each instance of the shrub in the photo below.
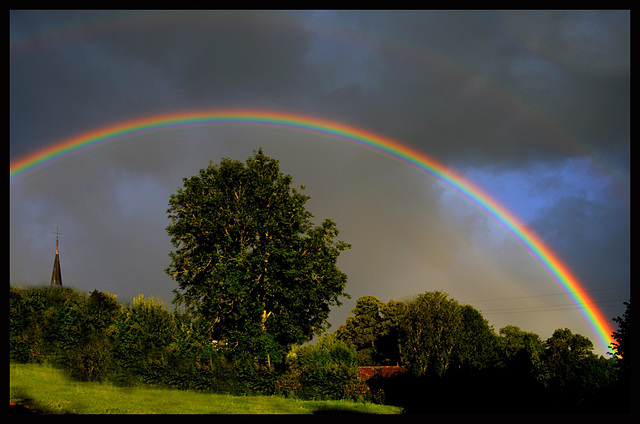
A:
[326,370]
[37,322]
[90,361]
[95,338]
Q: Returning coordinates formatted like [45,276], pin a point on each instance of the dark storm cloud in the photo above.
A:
[215,57]
[147,63]
[534,106]
[462,84]
[501,85]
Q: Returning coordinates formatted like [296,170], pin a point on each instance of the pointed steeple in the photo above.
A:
[56,277]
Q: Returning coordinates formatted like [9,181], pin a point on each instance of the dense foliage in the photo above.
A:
[469,370]
[456,363]
[327,368]
[430,334]
[249,262]
[96,338]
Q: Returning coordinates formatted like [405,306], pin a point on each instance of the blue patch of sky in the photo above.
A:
[528,192]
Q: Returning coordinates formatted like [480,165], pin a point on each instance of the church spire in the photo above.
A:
[56,277]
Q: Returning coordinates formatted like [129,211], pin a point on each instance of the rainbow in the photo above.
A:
[352,136]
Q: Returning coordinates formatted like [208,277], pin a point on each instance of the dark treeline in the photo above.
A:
[457,363]
[454,361]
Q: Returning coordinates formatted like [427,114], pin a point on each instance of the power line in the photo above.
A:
[553,308]
[546,295]
[542,308]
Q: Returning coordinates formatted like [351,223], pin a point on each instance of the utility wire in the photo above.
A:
[553,308]
[546,295]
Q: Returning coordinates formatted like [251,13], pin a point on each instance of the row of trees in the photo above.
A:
[430,332]
[450,350]
[454,361]
[435,333]
[95,338]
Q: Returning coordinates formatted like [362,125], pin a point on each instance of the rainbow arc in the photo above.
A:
[350,135]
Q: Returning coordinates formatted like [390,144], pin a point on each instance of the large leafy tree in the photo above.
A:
[249,261]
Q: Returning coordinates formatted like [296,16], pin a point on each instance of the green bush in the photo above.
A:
[154,345]
[143,337]
[38,328]
[326,370]
[90,361]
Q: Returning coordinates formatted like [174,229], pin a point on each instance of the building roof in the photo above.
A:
[366,373]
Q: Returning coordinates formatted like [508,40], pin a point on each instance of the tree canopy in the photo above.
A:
[249,261]
[434,328]
[430,333]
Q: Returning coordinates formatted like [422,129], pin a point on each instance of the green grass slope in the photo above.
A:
[47,390]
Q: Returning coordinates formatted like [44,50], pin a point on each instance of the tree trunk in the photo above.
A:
[266,315]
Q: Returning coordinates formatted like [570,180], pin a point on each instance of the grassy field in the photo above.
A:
[44,389]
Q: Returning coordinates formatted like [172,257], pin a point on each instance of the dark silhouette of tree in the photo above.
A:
[522,353]
[374,331]
[622,345]
[575,375]
[388,342]
[622,356]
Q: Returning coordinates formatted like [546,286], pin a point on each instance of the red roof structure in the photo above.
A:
[366,373]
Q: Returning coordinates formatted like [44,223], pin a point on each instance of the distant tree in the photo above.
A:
[87,334]
[563,351]
[248,259]
[45,322]
[374,331]
[102,311]
[564,347]
[522,352]
[438,334]
[388,341]
[431,328]
[145,331]
[361,330]
[477,345]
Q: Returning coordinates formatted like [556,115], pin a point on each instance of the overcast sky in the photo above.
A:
[533,106]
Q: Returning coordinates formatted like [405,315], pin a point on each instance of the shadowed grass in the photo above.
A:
[45,389]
